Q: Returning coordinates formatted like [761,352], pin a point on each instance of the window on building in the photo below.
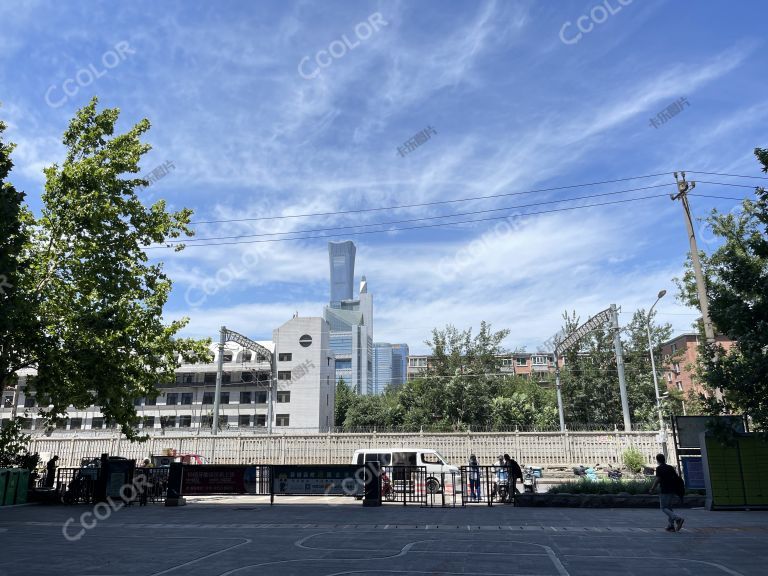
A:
[243,420]
[207,397]
[261,420]
[506,361]
[282,420]
[285,356]
[149,421]
[29,401]
[171,399]
[8,401]
[75,423]
[167,421]
[227,356]
[679,385]
[226,377]
[97,423]
[676,368]
[150,402]
[224,399]
[26,423]
[284,375]
[185,421]
[186,398]
[185,378]
[62,424]
[283,396]
[673,348]
[137,401]
[343,364]
[247,355]
[539,361]
[206,421]
[521,361]
[260,397]
[223,420]
[209,378]
[245,397]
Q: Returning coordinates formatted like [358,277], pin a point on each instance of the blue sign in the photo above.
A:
[693,472]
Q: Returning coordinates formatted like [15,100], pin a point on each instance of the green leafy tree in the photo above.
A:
[97,298]
[13,443]
[19,325]
[344,399]
[590,379]
[737,287]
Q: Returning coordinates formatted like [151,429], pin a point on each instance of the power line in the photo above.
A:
[440,224]
[587,197]
[731,175]
[720,197]
[435,203]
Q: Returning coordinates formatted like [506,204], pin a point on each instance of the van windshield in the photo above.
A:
[442,458]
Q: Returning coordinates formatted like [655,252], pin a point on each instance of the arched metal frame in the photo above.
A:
[607,316]
[226,335]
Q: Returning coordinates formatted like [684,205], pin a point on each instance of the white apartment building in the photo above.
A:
[299,364]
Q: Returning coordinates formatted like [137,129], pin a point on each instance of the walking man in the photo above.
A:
[668,482]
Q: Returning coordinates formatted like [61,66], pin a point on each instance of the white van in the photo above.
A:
[437,466]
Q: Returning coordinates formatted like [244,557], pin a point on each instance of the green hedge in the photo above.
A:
[602,487]
[608,487]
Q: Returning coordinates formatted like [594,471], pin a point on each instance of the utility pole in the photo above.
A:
[559,392]
[219,377]
[620,367]
[701,288]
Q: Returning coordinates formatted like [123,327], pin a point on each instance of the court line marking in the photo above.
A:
[664,559]
[171,569]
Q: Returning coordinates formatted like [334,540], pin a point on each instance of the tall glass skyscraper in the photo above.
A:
[390,365]
[351,320]
[341,257]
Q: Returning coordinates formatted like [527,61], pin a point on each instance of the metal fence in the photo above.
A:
[76,485]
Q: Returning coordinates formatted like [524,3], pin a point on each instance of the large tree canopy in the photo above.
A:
[737,287]
[88,303]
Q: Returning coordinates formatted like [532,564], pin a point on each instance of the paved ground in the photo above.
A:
[309,536]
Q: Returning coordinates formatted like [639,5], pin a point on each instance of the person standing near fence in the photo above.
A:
[50,474]
[669,485]
[474,479]
[515,472]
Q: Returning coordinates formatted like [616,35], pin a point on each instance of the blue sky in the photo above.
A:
[514,108]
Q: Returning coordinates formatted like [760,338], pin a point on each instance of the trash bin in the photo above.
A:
[10,487]
[23,486]
[3,483]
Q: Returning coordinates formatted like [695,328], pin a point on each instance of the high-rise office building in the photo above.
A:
[351,320]
[341,257]
[390,365]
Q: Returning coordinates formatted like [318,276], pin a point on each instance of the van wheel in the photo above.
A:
[433,485]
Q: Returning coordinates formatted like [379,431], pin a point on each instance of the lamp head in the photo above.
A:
[662,294]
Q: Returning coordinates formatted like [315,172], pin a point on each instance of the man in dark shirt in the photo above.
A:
[667,480]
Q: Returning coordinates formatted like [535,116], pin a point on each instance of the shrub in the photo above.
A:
[633,459]
[602,487]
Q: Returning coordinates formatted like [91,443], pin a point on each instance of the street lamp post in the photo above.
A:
[662,426]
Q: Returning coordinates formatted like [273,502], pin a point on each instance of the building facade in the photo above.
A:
[537,366]
[350,320]
[389,366]
[679,357]
[302,370]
